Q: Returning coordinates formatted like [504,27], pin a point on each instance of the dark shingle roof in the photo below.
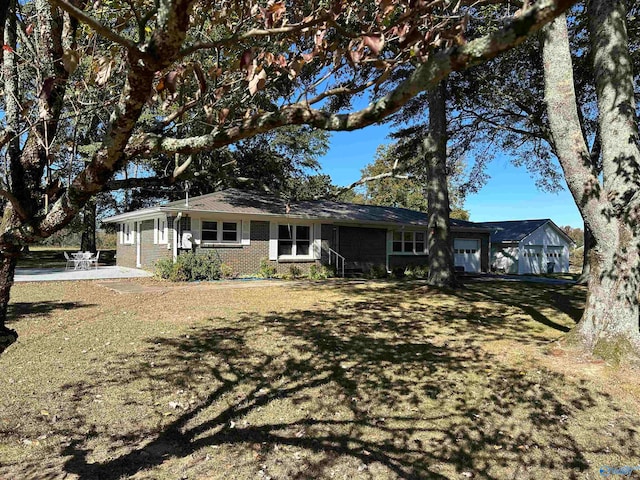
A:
[513,230]
[254,203]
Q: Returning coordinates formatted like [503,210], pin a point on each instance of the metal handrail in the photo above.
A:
[339,258]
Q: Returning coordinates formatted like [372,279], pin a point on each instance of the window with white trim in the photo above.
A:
[409,242]
[160,233]
[294,240]
[230,232]
[213,231]
[127,233]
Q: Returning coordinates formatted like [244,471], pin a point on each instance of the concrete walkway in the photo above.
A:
[60,274]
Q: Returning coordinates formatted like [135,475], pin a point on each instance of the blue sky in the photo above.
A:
[510,193]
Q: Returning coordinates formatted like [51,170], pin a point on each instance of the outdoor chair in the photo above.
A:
[70,261]
[95,259]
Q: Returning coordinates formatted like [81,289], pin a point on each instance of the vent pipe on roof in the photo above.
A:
[186,190]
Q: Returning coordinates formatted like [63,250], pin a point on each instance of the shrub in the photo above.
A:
[419,272]
[377,271]
[266,269]
[295,271]
[164,267]
[319,272]
[188,267]
[226,271]
[399,273]
[179,273]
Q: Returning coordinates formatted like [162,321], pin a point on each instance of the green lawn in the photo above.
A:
[357,380]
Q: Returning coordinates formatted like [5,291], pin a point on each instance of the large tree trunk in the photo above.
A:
[588,245]
[12,97]
[441,267]
[610,324]
[88,240]
[7,269]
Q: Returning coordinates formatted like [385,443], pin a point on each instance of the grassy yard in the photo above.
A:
[375,380]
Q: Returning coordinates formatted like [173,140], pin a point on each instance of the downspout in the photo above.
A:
[389,240]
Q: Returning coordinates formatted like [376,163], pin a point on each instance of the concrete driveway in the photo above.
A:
[520,278]
[60,274]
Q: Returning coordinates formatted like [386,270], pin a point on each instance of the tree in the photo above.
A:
[280,162]
[498,109]
[576,234]
[609,203]
[441,265]
[160,62]
[399,182]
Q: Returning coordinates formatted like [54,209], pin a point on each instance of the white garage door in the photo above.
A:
[532,260]
[466,253]
[554,255]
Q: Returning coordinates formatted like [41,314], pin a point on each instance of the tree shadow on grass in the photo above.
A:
[382,383]
[566,299]
[19,310]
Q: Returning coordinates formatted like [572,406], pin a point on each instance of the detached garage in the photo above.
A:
[529,247]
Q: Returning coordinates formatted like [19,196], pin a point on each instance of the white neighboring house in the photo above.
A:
[529,247]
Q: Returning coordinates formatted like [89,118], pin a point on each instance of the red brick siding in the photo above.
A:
[245,259]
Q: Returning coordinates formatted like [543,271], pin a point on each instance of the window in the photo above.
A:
[127,233]
[209,231]
[229,232]
[219,232]
[160,231]
[294,240]
[409,242]
[397,241]
[420,242]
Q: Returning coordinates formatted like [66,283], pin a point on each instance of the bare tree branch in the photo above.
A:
[94,24]
[6,136]
[425,77]
[22,213]
[392,174]
[254,33]
[146,182]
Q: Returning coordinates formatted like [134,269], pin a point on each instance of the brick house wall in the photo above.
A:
[150,253]
[245,259]
[125,255]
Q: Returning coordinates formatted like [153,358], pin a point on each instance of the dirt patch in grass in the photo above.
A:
[337,380]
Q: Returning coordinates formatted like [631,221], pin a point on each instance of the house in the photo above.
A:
[245,228]
[529,247]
